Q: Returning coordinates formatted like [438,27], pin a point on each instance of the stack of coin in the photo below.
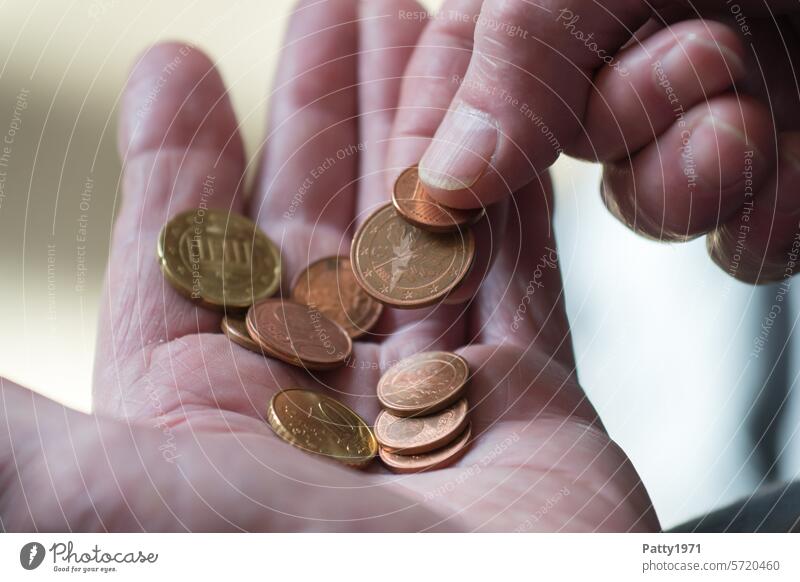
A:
[319,424]
[425,421]
[218,259]
[414,252]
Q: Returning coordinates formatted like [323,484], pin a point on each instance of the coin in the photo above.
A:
[218,259]
[423,384]
[330,286]
[415,204]
[420,434]
[407,267]
[298,334]
[438,459]
[319,424]
[236,330]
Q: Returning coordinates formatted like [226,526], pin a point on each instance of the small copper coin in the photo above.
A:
[420,434]
[423,384]
[438,459]
[298,335]
[404,266]
[319,424]
[218,259]
[415,204]
[236,330]
[330,286]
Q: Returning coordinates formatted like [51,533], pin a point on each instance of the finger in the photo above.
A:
[635,100]
[388,32]
[66,471]
[696,174]
[521,302]
[431,81]
[523,94]
[305,192]
[760,243]
[181,148]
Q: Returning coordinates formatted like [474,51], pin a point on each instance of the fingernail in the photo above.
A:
[690,77]
[461,149]
[720,152]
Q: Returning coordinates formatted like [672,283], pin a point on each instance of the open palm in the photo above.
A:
[178,440]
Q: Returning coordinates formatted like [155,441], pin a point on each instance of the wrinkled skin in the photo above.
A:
[178,439]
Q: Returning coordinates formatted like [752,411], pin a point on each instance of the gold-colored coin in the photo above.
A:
[321,425]
[218,259]
[404,266]
[330,286]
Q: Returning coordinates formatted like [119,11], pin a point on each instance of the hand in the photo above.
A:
[688,107]
[179,441]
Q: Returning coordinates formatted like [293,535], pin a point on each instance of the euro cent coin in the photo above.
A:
[218,259]
[438,459]
[236,331]
[404,266]
[330,286]
[298,335]
[423,384]
[411,436]
[321,425]
[415,204]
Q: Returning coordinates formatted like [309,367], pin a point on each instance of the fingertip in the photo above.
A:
[175,97]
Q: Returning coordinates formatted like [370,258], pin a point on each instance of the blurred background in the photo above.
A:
[664,339]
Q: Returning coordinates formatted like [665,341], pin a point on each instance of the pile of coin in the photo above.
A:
[425,421]
[408,254]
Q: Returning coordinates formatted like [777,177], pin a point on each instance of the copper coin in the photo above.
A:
[298,334]
[218,259]
[404,266]
[236,331]
[420,434]
[415,204]
[423,384]
[330,286]
[319,424]
[438,459]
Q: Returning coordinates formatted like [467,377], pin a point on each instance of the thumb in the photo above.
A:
[494,120]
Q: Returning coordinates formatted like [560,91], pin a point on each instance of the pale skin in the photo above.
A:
[651,89]
[178,439]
